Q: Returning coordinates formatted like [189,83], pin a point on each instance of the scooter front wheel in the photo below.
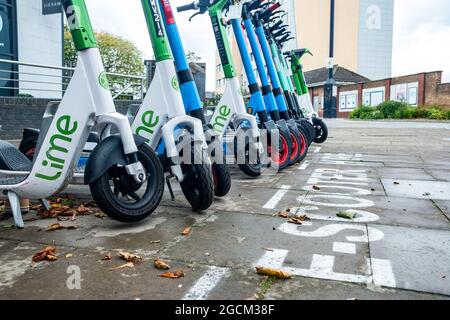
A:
[197,185]
[123,199]
[321,130]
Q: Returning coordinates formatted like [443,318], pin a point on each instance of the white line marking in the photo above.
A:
[382,273]
[203,287]
[317,149]
[344,247]
[272,203]
[304,165]
[273,259]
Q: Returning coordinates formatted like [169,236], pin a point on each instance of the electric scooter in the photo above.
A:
[231,111]
[283,101]
[191,100]
[304,96]
[162,121]
[124,175]
[274,101]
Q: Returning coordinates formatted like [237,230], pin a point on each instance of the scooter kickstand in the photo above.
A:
[45,204]
[14,200]
[170,186]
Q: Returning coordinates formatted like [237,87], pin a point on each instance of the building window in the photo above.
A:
[348,101]
[8,46]
[373,97]
[219,67]
[406,92]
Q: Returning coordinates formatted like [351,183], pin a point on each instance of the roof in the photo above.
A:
[318,77]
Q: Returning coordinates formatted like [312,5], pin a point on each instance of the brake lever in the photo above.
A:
[193,16]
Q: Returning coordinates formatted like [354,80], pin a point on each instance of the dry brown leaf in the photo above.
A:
[173,275]
[128,257]
[316,187]
[107,257]
[46,254]
[126,265]
[82,209]
[296,221]
[54,227]
[186,231]
[273,273]
[161,265]
[283,214]
[69,255]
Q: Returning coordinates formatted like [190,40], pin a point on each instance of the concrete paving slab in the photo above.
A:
[439,174]
[405,173]
[163,226]
[316,289]
[417,189]
[420,258]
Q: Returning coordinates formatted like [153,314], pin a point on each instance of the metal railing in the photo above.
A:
[44,81]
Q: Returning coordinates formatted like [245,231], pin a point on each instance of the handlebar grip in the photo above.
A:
[274,7]
[187,7]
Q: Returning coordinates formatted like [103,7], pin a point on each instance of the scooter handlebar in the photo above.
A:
[188,7]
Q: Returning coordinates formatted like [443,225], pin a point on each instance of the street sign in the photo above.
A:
[51,7]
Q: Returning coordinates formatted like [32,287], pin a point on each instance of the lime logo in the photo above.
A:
[103,80]
[149,123]
[221,120]
[175,84]
[55,155]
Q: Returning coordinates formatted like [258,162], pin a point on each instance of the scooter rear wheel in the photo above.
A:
[296,145]
[222,179]
[197,185]
[281,156]
[124,200]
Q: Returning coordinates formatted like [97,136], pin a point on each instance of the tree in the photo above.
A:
[118,55]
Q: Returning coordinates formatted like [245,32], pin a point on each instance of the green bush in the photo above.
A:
[393,109]
[436,114]
[448,115]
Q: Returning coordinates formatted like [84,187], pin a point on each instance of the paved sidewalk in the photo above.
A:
[395,176]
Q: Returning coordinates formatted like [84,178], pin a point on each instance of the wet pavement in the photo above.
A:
[394,176]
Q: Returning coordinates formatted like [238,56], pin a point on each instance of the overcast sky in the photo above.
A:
[421,33]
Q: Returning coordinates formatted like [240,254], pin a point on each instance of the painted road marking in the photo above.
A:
[304,165]
[344,247]
[382,274]
[272,203]
[203,287]
[317,149]
[14,264]
[377,271]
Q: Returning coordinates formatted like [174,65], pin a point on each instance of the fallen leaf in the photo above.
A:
[126,265]
[346,215]
[396,183]
[155,242]
[107,257]
[82,209]
[8,226]
[273,273]
[47,254]
[100,215]
[316,187]
[283,214]
[173,275]
[128,257]
[69,255]
[54,227]
[268,249]
[161,265]
[296,221]
[186,231]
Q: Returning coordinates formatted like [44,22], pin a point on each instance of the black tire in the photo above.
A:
[296,145]
[304,144]
[253,170]
[124,211]
[198,185]
[222,179]
[282,156]
[28,148]
[321,130]
[309,129]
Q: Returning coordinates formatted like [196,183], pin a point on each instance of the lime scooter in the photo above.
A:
[304,97]
[191,100]
[283,102]
[121,159]
[162,121]
[231,111]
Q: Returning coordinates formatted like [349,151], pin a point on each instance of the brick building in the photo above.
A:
[354,90]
